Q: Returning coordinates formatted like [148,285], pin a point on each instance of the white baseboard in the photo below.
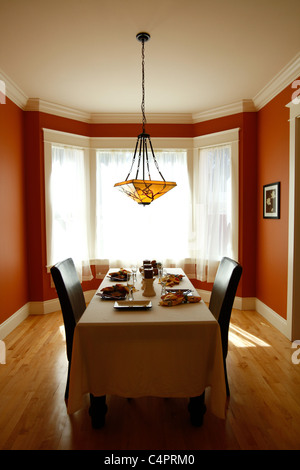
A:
[49,306]
[252,303]
[272,317]
[13,321]
[240,303]
[34,308]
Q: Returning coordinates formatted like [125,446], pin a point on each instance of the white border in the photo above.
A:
[293,275]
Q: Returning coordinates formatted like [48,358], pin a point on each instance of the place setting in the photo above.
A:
[152,275]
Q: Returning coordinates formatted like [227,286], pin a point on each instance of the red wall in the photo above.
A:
[13,257]
[272,235]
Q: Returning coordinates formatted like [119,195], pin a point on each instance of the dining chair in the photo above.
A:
[73,305]
[221,301]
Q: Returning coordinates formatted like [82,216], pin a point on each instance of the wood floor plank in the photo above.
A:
[263,411]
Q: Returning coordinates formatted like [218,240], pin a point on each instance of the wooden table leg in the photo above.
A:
[97,411]
[197,409]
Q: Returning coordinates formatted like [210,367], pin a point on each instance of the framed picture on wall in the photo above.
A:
[271,209]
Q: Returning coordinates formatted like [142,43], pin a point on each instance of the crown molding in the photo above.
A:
[283,79]
[35,104]
[13,92]
[134,118]
[242,106]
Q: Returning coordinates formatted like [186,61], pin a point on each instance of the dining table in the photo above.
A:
[149,350]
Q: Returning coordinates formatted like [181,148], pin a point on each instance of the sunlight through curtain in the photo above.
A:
[70,209]
[193,226]
[127,232]
[212,209]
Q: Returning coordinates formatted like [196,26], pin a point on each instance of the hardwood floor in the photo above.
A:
[263,409]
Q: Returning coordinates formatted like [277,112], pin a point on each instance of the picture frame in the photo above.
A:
[271,201]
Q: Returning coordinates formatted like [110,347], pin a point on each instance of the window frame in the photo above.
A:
[228,137]
[190,145]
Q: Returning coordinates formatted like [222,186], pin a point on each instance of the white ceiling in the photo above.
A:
[202,54]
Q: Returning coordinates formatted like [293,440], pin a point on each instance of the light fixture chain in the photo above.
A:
[144,191]
[143,85]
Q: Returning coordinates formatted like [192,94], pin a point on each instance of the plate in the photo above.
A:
[176,275]
[133,304]
[181,291]
[117,278]
[111,297]
[120,275]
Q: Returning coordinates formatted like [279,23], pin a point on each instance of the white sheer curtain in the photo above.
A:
[212,198]
[69,196]
[193,226]
[126,232]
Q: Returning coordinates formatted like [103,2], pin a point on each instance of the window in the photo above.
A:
[69,208]
[192,226]
[215,203]
[128,232]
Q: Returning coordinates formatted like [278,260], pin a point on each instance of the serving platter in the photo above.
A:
[132,304]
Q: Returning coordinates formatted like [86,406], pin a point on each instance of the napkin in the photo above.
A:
[2,352]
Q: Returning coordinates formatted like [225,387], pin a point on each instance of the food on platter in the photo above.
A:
[118,291]
[169,300]
[120,275]
[172,279]
[193,299]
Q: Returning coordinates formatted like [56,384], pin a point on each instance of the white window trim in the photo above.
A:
[230,137]
[90,144]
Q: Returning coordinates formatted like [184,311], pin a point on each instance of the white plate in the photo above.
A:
[133,304]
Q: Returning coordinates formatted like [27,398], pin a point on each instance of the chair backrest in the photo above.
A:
[223,294]
[70,296]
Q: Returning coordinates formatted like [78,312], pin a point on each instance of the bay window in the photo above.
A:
[192,226]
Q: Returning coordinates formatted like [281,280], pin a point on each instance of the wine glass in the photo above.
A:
[130,285]
[162,275]
[134,270]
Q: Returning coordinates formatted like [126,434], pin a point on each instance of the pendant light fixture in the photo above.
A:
[142,190]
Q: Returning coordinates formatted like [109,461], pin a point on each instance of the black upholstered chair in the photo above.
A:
[73,305]
[221,302]
[222,298]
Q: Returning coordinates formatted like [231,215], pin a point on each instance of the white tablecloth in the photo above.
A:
[163,352]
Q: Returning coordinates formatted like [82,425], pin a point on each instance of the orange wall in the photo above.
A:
[272,235]
[13,257]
